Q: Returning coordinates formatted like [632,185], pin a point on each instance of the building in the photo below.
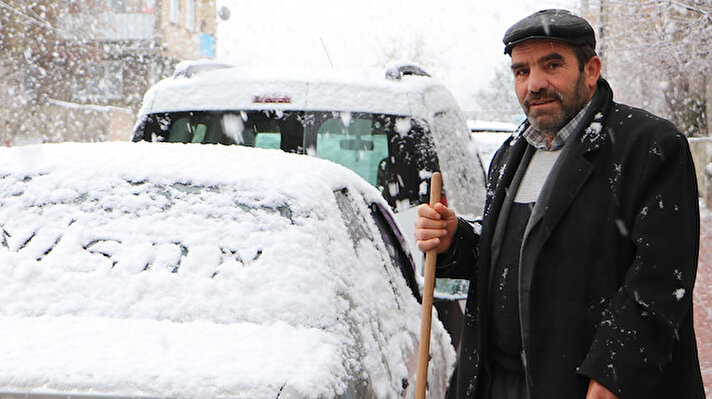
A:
[77,69]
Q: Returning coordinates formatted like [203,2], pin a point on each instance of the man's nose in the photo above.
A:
[538,81]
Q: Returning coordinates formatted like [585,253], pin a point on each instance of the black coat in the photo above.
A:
[607,266]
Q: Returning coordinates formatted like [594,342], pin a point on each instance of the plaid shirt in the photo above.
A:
[539,140]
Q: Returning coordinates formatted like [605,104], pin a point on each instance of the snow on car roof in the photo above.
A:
[176,162]
[185,270]
[356,90]
[476,125]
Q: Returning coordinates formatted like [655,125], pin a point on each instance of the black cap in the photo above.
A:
[554,24]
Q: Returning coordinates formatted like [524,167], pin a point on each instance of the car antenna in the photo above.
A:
[326,51]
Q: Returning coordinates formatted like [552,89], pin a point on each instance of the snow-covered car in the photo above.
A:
[487,137]
[392,126]
[487,145]
[191,271]
[483,126]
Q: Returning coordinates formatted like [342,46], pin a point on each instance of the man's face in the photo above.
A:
[550,87]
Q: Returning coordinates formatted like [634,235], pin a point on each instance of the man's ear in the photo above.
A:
[592,69]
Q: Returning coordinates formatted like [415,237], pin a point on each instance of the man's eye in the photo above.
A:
[521,72]
[554,65]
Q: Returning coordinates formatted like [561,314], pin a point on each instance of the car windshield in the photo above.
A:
[378,147]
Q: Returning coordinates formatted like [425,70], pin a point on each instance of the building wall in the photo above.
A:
[65,58]
[181,41]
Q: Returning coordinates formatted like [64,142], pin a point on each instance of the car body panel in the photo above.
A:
[179,270]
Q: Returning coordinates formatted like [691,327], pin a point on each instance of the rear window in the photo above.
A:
[106,227]
[388,151]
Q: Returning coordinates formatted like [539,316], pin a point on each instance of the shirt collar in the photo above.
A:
[539,141]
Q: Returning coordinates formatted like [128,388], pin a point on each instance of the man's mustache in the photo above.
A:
[542,95]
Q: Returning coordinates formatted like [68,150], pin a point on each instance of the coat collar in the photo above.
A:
[563,185]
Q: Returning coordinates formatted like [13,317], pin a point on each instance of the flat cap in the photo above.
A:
[554,24]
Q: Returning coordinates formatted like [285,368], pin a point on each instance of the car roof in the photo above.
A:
[290,296]
[216,86]
[265,169]
[476,125]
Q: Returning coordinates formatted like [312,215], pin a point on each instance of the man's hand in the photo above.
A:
[435,227]
[598,391]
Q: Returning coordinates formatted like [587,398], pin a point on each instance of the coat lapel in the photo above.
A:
[505,164]
[566,178]
[499,189]
[565,181]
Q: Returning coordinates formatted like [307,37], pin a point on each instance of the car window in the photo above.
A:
[412,159]
[352,218]
[267,140]
[103,231]
[359,233]
[393,153]
[197,128]
[261,129]
[360,146]
[395,247]
[357,228]
[446,125]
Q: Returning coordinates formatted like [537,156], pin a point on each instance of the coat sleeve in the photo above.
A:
[634,341]
[459,260]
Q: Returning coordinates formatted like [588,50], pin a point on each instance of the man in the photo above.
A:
[581,275]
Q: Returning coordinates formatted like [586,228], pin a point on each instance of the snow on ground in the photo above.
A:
[194,271]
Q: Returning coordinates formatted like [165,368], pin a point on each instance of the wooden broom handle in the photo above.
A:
[421,377]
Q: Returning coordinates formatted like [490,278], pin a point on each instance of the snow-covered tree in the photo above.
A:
[498,100]
[658,55]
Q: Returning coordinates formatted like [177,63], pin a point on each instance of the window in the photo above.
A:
[355,145]
[262,129]
[394,245]
[99,81]
[175,11]
[388,151]
[351,217]
[357,229]
[190,14]
[200,128]
[118,5]
[207,45]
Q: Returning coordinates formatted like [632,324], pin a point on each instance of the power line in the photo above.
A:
[33,20]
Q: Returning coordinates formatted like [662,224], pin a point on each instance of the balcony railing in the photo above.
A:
[106,27]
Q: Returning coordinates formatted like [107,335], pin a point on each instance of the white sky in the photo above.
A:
[458,42]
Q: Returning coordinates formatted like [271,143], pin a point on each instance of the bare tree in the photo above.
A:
[497,101]
[657,54]
[62,82]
